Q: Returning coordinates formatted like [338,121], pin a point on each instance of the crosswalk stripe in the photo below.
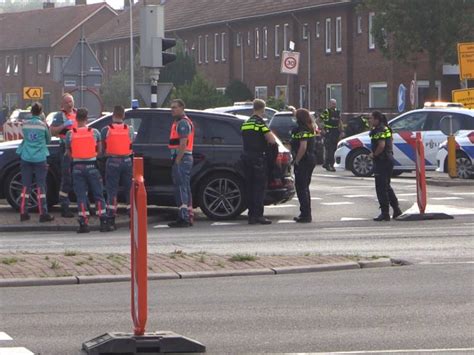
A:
[345,219]
[337,203]
[15,351]
[4,336]
[446,198]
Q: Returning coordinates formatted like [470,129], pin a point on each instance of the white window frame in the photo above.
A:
[426,84]
[249,41]
[120,58]
[200,49]
[48,64]
[257,43]
[338,34]
[285,36]
[30,60]
[265,43]
[359,24]
[186,49]
[15,65]
[206,51]
[381,84]
[216,47]
[328,35]
[277,41]
[303,92]
[329,96]
[39,62]
[221,90]
[286,92]
[318,29]
[238,39]
[115,59]
[258,96]
[371,36]
[304,33]
[223,43]
[7,65]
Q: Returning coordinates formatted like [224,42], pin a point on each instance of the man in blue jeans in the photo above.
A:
[181,147]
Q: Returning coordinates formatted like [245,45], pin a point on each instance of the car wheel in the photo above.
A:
[464,166]
[360,163]
[221,196]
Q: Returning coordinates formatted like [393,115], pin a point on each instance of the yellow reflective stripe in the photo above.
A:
[301,135]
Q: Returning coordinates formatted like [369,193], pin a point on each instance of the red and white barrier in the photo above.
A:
[420,174]
[12,131]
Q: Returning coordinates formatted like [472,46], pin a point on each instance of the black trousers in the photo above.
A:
[255,171]
[303,173]
[330,145]
[383,173]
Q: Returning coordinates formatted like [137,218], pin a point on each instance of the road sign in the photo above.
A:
[290,62]
[401,98]
[412,93]
[466,60]
[464,96]
[32,93]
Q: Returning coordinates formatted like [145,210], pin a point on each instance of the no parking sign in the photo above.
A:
[290,62]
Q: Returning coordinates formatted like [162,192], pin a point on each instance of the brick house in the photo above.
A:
[30,40]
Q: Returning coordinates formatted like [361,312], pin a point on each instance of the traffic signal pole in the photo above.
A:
[155,75]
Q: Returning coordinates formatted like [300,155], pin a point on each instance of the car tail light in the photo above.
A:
[283,158]
[275,183]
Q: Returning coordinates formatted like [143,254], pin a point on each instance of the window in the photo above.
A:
[119,58]
[12,100]
[7,65]
[221,90]
[40,63]
[277,38]
[115,59]
[257,43]
[304,34]
[15,65]
[206,54]
[223,43]
[238,39]
[371,36]
[303,96]
[378,95]
[222,132]
[334,91]
[410,122]
[285,36]
[30,60]
[249,41]
[281,92]
[338,34]
[265,43]
[328,35]
[359,24]
[48,64]
[216,47]
[135,124]
[424,89]
[199,49]
[186,49]
[318,29]
[261,92]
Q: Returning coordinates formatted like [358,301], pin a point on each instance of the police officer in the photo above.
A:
[382,155]
[64,121]
[83,145]
[181,147]
[332,131]
[117,141]
[302,148]
[256,137]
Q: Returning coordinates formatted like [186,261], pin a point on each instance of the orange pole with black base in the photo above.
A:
[452,169]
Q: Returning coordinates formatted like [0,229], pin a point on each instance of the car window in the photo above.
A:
[467,122]
[243,111]
[200,129]
[159,132]
[432,122]
[135,124]
[223,132]
[269,113]
[282,121]
[411,122]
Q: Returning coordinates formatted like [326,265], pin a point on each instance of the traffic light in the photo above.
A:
[166,58]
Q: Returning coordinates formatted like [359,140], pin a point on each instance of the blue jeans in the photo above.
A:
[85,175]
[39,170]
[66,178]
[181,174]
[117,169]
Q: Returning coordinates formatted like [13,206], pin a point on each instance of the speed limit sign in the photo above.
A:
[290,62]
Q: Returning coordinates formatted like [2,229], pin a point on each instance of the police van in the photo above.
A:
[353,152]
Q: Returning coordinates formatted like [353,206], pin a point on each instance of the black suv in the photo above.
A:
[216,178]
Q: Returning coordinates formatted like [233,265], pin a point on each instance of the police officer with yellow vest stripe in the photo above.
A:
[304,158]
[83,146]
[382,155]
[256,137]
[117,141]
[332,132]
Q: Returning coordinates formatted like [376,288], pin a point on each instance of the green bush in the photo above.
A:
[238,91]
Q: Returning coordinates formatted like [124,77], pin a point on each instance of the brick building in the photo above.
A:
[31,40]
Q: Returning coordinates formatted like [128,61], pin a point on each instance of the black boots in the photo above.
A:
[301,219]
[24,217]
[83,227]
[66,212]
[105,225]
[397,212]
[259,220]
[46,218]
[382,217]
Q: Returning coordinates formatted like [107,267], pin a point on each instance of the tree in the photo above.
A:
[238,91]
[116,91]
[200,94]
[181,71]
[276,103]
[404,29]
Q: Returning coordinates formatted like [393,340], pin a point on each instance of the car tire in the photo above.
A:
[360,163]
[464,166]
[221,196]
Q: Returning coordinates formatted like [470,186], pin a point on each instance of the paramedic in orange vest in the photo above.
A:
[83,146]
[117,141]
[181,147]
[63,121]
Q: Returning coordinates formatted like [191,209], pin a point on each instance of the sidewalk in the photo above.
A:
[439,179]
[71,267]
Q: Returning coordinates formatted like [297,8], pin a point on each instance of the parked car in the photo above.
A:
[244,109]
[464,155]
[353,152]
[19,115]
[283,123]
[217,179]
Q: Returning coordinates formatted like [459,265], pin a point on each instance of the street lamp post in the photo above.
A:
[132,59]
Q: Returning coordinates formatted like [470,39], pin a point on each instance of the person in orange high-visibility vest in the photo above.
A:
[117,141]
[83,146]
[181,148]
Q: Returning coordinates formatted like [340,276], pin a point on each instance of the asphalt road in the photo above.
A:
[409,307]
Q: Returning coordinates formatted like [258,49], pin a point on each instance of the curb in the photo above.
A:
[450,182]
[82,280]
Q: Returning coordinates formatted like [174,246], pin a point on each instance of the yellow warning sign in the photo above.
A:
[32,93]
[464,96]
[466,60]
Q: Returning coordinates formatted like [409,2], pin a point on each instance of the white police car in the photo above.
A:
[464,155]
[353,152]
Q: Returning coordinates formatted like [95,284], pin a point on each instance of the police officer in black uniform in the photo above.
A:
[302,148]
[256,138]
[332,131]
[382,155]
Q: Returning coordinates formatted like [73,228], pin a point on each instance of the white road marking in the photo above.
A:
[225,223]
[281,221]
[280,206]
[446,198]
[467,350]
[356,196]
[337,203]
[446,262]
[451,210]
[4,336]
[160,226]
[312,198]
[344,219]
[15,351]
[461,193]
[407,194]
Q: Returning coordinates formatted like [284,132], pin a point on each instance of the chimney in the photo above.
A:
[81,2]
[48,5]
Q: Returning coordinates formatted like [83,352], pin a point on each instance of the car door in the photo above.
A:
[404,129]
[433,137]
